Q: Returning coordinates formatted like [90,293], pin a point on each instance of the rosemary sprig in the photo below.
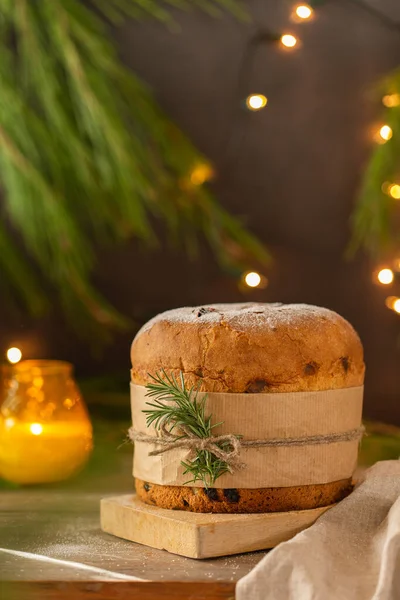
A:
[175,407]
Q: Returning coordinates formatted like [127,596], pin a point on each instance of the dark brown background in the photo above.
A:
[292,171]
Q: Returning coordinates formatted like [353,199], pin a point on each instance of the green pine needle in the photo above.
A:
[375,222]
[174,406]
[87,158]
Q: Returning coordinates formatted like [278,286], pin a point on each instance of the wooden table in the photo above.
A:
[62,523]
[45,529]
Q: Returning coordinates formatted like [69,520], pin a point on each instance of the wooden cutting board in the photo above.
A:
[200,535]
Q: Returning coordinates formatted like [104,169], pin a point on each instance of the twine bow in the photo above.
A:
[225,447]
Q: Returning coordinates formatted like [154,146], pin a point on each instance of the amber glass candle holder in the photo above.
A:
[45,431]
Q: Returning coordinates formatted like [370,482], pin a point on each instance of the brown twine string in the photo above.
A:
[230,456]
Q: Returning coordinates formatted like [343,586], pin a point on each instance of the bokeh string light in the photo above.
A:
[203,173]
[385,276]
[388,276]
[303,11]
[391,100]
[252,279]
[393,302]
[385,134]
[256,101]
[288,40]
[14,355]
[396,305]
[394,191]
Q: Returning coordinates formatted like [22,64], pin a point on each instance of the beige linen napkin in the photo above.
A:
[351,553]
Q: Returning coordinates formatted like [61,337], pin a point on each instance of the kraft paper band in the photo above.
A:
[265,416]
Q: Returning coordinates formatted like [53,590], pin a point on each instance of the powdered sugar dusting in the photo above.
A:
[243,316]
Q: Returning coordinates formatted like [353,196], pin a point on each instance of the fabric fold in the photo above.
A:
[351,553]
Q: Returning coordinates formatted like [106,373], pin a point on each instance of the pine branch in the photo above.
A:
[14,266]
[374,227]
[87,157]
[186,411]
[160,9]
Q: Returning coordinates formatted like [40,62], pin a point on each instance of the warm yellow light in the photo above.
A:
[391,100]
[201,173]
[68,403]
[256,101]
[252,279]
[288,40]
[303,11]
[394,191]
[390,300]
[396,305]
[45,432]
[385,276]
[14,355]
[36,428]
[385,132]
[38,382]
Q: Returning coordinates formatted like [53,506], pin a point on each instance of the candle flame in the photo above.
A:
[36,428]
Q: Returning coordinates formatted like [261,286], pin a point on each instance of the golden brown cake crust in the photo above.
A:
[249,348]
[243,501]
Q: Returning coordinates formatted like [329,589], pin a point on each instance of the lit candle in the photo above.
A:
[45,431]
[39,453]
